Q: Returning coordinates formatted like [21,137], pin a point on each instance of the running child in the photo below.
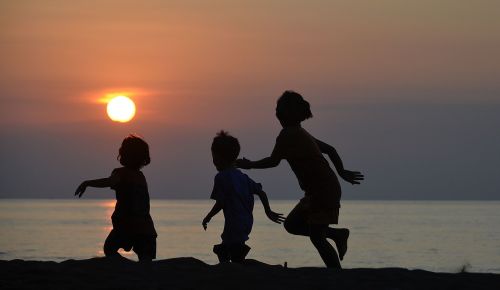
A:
[321,204]
[133,227]
[233,194]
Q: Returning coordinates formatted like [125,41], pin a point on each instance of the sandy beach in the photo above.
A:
[190,273]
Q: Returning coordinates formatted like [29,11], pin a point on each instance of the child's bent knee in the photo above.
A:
[110,252]
[290,227]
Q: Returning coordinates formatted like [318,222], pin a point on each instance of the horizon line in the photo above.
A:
[208,199]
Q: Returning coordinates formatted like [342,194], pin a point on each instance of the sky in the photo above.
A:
[408,92]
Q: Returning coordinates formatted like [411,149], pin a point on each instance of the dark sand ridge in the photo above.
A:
[190,273]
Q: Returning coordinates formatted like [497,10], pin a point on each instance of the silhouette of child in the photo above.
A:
[233,194]
[321,203]
[133,227]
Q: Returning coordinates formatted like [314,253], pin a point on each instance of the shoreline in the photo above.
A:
[190,273]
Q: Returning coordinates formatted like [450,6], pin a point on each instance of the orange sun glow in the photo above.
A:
[121,109]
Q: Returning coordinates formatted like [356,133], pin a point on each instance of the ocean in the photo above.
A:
[441,236]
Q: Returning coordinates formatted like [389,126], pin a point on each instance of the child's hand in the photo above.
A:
[243,163]
[81,189]
[205,221]
[353,177]
[275,217]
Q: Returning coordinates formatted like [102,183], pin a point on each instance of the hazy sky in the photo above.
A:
[407,91]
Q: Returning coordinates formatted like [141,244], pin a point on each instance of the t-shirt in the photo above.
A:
[235,190]
[131,215]
[313,171]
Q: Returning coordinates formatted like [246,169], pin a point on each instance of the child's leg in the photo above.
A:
[339,236]
[222,253]
[112,244]
[318,235]
[145,248]
[296,221]
[238,252]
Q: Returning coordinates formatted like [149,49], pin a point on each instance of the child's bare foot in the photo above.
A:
[341,242]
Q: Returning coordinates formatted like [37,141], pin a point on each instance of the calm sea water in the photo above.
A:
[432,235]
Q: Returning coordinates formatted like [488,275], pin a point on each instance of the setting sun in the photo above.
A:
[121,109]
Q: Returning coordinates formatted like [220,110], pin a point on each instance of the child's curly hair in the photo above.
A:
[226,146]
[291,106]
[134,152]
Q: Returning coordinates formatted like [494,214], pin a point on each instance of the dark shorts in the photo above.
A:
[315,215]
[235,252]
[143,246]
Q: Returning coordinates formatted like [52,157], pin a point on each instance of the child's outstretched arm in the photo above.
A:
[267,162]
[215,210]
[275,217]
[272,161]
[353,177]
[100,183]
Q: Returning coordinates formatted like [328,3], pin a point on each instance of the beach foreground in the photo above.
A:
[190,273]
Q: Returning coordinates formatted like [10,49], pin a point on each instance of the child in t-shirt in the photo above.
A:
[320,206]
[133,226]
[233,194]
